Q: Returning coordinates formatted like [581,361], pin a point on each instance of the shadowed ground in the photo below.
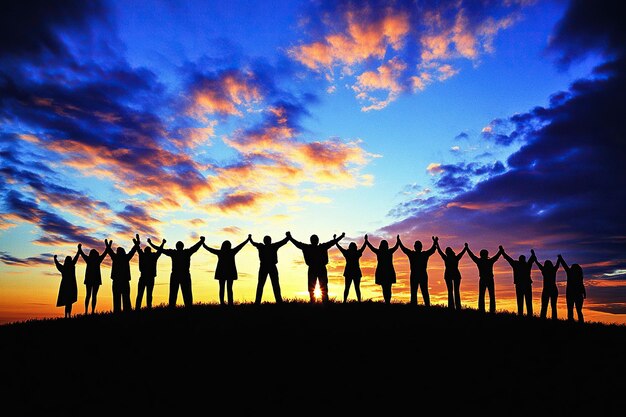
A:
[300,358]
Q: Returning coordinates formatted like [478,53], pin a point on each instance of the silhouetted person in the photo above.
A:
[485,277]
[226,269]
[120,275]
[550,292]
[452,274]
[522,280]
[180,278]
[316,257]
[93,277]
[268,257]
[68,289]
[352,270]
[147,272]
[418,262]
[575,292]
[385,272]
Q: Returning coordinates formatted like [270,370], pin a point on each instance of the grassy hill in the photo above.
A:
[299,358]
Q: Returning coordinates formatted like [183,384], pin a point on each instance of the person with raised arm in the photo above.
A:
[180,277]
[418,263]
[93,276]
[485,277]
[226,269]
[68,289]
[268,258]
[147,272]
[120,275]
[523,282]
[385,274]
[452,274]
[575,292]
[352,270]
[550,292]
[316,257]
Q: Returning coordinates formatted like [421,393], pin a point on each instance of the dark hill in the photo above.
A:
[298,358]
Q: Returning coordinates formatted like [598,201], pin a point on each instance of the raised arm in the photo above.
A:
[297,244]
[242,244]
[498,254]
[160,249]
[78,252]
[404,249]
[195,247]
[369,245]
[213,251]
[335,240]
[397,245]
[342,250]
[57,264]
[533,257]
[103,255]
[562,262]
[443,255]
[281,243]
[255,244]
[433,247]
[471,255]
[109,250]
[81,253]
[536,261]
[506,256]
[460,255]
[133,251]
[362,248]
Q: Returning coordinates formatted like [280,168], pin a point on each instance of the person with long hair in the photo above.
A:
[352,271]
[93,276]
[68,290]
[452,274]
[226,269]
[385,274]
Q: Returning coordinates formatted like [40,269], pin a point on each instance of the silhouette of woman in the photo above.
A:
[147,272]
[385,273]
[550,292]
[268,258]
[180,277]
[575,292]
[93,277]
[418,262]
[120,275]
[226,269]
[68,290]
[352,271]
[485,277]
[522,280]
[452,275]
[316,257]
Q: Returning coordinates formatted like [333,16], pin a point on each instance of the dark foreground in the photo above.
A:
[306,359]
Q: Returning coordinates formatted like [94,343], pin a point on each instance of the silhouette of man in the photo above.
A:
[316,257]
[180,278]
[148,270]
[418,262]
[522,280]
[550,292]
[268,257]
[120,274]
[452,274]
[575,292]
[485,277]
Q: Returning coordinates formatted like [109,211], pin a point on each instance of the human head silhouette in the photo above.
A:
[121,251]
[449,251]
[548,263]
[267,240]
[484,253]
[522,258]
[226,244]
[180,245]
[68,260]
[147,249]
[315,240]
[384,244]
[577,270]
[93,253]
[418,245]
[352,246]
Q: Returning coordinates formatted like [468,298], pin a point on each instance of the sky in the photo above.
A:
[486,122]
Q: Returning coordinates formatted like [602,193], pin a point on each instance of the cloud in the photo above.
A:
[393,47]
[563,190]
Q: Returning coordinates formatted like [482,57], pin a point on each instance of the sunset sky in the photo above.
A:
[487,122]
